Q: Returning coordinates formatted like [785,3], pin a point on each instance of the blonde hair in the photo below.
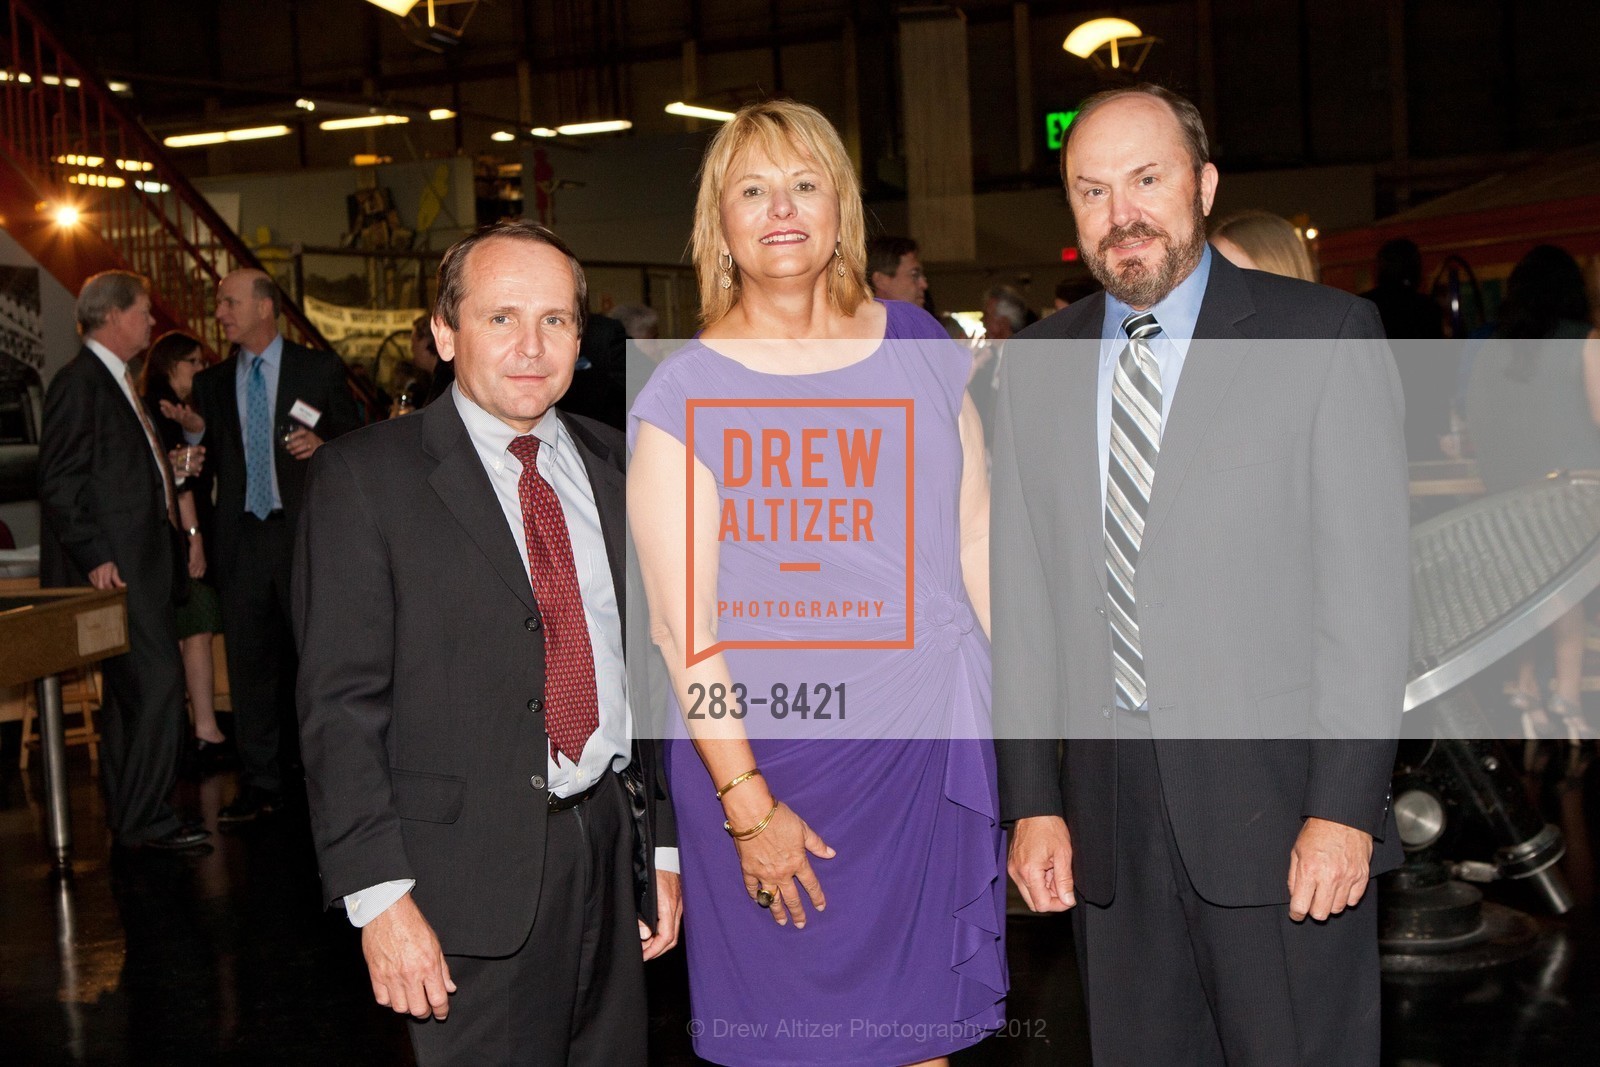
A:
[1270,240]
[780,128]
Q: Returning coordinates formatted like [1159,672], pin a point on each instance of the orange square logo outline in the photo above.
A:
[907,404]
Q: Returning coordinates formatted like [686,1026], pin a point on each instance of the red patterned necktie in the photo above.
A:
[572,710]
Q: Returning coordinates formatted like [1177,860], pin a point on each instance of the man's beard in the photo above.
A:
[1135,282]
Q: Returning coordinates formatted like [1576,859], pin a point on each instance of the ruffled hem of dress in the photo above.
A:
[978,950]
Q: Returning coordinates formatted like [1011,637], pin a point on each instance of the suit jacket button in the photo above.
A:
[536,705]
[531,623]
[1105,713]
[537,781]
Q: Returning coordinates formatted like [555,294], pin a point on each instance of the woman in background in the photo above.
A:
[169,369]
[1260,240]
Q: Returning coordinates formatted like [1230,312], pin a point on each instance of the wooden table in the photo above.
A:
[45,632]
[1446,477]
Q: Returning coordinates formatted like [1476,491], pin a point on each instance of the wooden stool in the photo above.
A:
[80,688]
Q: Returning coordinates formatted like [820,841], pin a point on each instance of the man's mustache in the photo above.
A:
[1137,231]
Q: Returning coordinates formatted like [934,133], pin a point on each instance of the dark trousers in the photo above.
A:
[141,721]
[1172,979]
[261,657]
[574,992]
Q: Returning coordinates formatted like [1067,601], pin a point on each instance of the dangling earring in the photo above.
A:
[727,271]
[838,261]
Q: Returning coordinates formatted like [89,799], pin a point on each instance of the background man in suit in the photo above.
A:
[464,715]
[894,271]
[1005,313]
[1224,531]
[110,520]
[245,408]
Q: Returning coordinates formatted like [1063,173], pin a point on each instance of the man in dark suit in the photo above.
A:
[264,411]
[1200,533]
[463,702]
[599,384]
[110,521]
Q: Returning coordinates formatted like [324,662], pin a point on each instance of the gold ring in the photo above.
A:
[765,897]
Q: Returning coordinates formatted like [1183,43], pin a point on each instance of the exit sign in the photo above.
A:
[1055,127]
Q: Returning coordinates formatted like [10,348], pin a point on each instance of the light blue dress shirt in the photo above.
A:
[560,464]
[610,746]
[271,364]
[1177,313]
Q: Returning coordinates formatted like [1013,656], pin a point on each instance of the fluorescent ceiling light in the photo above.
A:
[95,161]
[255,133]
[195,140]
[102,181]
[693,111]
[1096,33]
[395,7]
[363,121]
[153,187]
[542,131]
[119,87]
[575,129]
[502,135]
[51,79]
[7,76]
[441,113]
[305,105]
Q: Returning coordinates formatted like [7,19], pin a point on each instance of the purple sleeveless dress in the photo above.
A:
[908,961]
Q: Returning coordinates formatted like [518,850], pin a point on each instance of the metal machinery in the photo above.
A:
[1486,577]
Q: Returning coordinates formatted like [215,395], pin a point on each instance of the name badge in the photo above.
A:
[305,414]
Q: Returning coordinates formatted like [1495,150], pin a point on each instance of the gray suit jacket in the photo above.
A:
[1273,585]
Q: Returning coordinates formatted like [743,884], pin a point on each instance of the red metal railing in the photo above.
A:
[67,134]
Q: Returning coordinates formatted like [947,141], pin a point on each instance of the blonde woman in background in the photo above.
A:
[1260,240]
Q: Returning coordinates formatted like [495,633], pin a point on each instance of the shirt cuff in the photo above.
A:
[373,901]
[192,438]
[667,859]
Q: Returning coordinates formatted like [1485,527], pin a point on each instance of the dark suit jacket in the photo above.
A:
[100,490]
[311,375]
[1273,584]
[423,758]
[598,390]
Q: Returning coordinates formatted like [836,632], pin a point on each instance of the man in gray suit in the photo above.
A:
[1215,547]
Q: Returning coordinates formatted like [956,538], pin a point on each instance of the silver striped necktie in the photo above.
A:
[1135,442]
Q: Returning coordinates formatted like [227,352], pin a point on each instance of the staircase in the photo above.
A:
[67,144]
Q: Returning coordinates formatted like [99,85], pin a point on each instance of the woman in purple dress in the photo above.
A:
[809,499]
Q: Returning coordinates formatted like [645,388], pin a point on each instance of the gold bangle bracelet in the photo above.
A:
[745,777]
[745,835]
